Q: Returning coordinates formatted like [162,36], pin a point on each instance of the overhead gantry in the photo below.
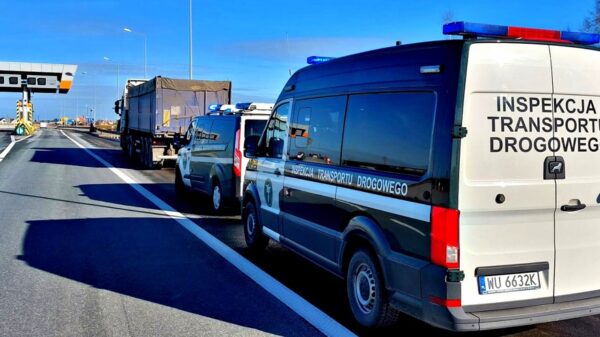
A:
[28,78]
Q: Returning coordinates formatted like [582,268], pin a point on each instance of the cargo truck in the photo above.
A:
[155,112]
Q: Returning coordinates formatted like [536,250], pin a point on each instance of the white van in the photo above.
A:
[211,160]
[455,181]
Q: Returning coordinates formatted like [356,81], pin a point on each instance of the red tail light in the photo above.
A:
[444,237]
[449,303]
[237,156]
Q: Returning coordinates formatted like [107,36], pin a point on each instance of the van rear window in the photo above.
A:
[389,132]
[254,127]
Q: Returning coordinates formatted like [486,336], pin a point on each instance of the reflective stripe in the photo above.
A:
[313,187]
[401,207]
[271,233]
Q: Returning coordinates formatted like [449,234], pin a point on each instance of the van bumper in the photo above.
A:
[496,319]
[416,301]
[456,319]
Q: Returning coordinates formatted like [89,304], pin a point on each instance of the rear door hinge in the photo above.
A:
[459,131]
[455,275]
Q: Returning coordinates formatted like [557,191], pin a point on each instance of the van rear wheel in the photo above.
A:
[366,292]
[217,197]
[255,239]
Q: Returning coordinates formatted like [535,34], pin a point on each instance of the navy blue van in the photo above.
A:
[437,178]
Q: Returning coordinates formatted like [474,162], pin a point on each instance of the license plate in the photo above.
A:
[506,283]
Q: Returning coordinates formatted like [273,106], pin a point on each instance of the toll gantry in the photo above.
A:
[28,78]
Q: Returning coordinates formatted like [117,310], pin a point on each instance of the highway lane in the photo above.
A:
[4,139]
[83,254]
[317,286]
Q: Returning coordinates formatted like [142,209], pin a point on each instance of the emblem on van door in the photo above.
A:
[554,168]
[269,192]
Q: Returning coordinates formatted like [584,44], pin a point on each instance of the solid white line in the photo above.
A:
[303,308]
[10,146]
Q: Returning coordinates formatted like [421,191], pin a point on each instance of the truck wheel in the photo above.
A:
[217,197]
[366,292]
[255,239]
[180,188]
[149,154]
[142,158]
[130,147]
[144,152]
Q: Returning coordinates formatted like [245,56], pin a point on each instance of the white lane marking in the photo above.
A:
[10,146]
[302,307]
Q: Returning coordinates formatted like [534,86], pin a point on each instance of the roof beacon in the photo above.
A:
[318,59]
[470,29]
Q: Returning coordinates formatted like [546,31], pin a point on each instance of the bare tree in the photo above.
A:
[449,16]
[592,21]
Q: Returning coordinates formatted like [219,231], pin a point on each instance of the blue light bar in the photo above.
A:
[580,38]
[243,106]
[214,107]
[477,29]
[318,59]
[496,31]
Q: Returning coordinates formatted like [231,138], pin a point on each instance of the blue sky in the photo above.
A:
[252,43]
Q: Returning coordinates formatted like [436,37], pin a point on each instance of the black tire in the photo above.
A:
[180,188]
[142,157]
[255,239]
[366,292]
[131,148]
[216,197]
[149,164]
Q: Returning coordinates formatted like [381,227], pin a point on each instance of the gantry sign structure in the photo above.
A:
[28,78]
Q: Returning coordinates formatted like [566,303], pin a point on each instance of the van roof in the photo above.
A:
[377,66]
[381,67]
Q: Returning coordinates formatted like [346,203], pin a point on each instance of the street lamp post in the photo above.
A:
[190,39]
[129,30]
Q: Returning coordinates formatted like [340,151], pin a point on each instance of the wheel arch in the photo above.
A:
[362,232]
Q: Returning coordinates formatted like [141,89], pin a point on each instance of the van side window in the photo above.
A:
[315,134]
[389,132]
[222,133]
[274,139]
[202,131]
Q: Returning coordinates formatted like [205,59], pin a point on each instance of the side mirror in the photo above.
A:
[179,141]
[251,146]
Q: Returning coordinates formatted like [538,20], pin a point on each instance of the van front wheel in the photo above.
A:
[255,239]
[366,292]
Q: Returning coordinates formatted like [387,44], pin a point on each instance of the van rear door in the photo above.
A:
[506,206]
[576,73]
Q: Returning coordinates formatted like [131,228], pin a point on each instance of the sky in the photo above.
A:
[255,44]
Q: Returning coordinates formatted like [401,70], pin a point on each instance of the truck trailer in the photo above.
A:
[155,111]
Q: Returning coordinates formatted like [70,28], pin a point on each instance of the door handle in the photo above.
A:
[572,208]
[277,172]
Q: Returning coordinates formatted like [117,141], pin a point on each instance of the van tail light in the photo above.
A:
[444,237]
[237,156]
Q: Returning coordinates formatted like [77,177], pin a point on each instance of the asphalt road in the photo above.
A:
[80,243]
[4,139]
[83,254]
